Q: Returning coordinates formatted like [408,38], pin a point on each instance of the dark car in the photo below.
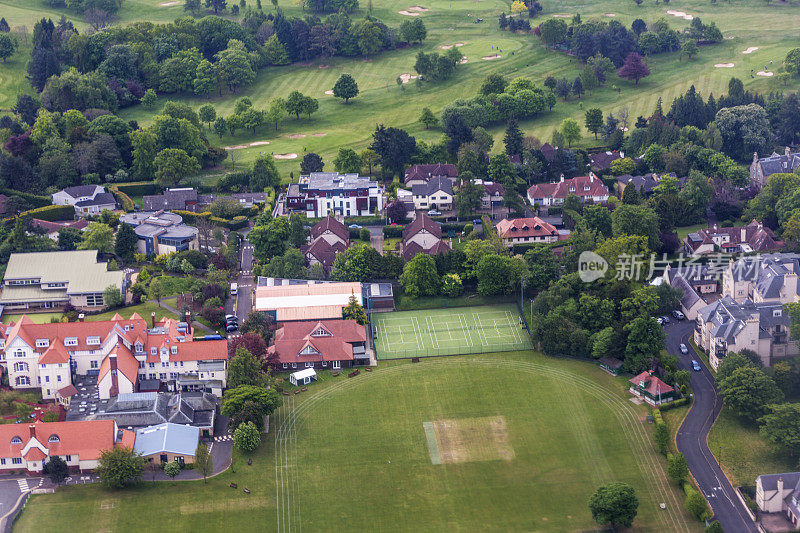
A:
[231,327]
[695,366]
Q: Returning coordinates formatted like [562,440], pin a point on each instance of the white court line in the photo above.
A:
[431,331]
[417,331]
[479,329]
[463,321]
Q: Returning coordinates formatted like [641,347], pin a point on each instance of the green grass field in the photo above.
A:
[455,331]
[352,455]
[745,23]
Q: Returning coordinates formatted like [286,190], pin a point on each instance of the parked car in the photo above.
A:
[231,327]
[665,319]
[434,213]
[660,321]
[695,366]
[354,226]
[231,317]
[684,349]
[678,315]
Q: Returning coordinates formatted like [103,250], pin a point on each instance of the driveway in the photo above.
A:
[693,435]
[11,497]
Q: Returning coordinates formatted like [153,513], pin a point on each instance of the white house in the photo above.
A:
[87,199]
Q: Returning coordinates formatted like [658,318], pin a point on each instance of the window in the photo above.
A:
[165,365]
[16,460]
[69,458]
[47,379]
[42,343]
[139,347]
[162,375]
[2,462]
[94,300]
[71,341]
[151,365]
[58,377]
[20,366]
[54,438]
[153,351]
[22,381]
[151,376]
[294,365]
[93,341]
[141,364]
[309,365]
[16,440]
[93,364]
[174,350]
[324,363]
[173,375]
[285,365]
[19,353]
[776,312]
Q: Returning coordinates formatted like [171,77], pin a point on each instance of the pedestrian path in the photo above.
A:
[223,438]
[28,484]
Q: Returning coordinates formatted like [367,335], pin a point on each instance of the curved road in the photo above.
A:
[693,434]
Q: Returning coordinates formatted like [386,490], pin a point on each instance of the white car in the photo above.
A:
[684,349]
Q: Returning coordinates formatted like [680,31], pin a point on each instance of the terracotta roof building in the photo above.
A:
[587,188]
[52,228]
[328,238]
[117,353]
[423,236]
[651,389]
[755,237]
[79,444]
[526,231]
[323,344]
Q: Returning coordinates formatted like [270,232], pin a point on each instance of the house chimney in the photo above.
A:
[81,316]
[591,177]
[743,233]
[32,429]
[621,154]
[787,151]
[112,360]
[562,178]
[780,487]
[188,317]
[153,319]
[755,157]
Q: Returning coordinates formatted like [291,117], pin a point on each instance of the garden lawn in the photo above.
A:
[742,453]
[545,433]
[36,318]
[144,309]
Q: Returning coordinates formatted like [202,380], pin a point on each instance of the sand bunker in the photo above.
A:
[285,156]
[750,50]
[329,91]
[318,134]
[241,146]
[724,65]
[449,46]
[610,14]
[259,143]
[169,4]
[562,16]
[419,9]
[405,78]
[297,136]
[680,14]
[765,73]
[237,147]
[323,66]
[489,58]
[408,13]
[463,61]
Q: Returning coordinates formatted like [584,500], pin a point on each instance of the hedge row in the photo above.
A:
[363,221]
[393,232]
[33,199]
[122,198]
[189,217]
[51,213]
[139,188]
[674,404]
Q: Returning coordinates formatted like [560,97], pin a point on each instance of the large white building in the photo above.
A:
[118,352]
[329,193]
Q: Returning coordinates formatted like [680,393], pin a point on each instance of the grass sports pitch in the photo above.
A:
[455,331]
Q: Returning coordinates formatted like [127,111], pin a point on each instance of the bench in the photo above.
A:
[234,486]
[415,359]
[304,389]
[334,374]
[353,374]
[368,369]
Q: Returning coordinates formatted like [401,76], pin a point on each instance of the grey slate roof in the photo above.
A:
[81,190]
[103,198]
[779,163]
[172,438]
[433,186]
[690,296]
[170,199]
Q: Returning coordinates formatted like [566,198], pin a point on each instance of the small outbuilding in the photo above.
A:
[167,442]
[302,377]
[612,365]
[651,389]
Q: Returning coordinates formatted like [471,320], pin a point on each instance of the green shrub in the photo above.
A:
[32,199]
[51,213]
[139,188]
[673,405]
[393,232]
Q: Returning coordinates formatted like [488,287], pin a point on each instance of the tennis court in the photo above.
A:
[454,331]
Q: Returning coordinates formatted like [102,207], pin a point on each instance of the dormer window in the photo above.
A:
[587,188]
[164,351]
[53,438]
[174,350]
[93,341]
[42,343]
[153,351]
[321,332]
[139,347]
[16,440]
[71,341]
[309,350]
[776,312]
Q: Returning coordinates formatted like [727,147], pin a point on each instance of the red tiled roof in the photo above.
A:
[525,227]
[56,353]
[411,249]
[422,222]
[336,345]
[758,236]
[127,364]
[34,454]
[68,391]
[52,227]
[86,438]
[332,225]
[653,385]
[581,186]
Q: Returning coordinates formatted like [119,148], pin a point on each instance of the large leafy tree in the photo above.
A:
[245,368]
[641,220]
[345,88]
[419,276]
[98,236]
[56,469]
[594,120]
[125,243]
[265,173]
[247,437]
[634,68]
[203,462]
[270,239]
[468,197]
[120,467]
[174,164]
[749,392]
[247,403]
[645,342]
[311,163]
[615,504]
[358,263]
[394,146]
[782,426]
[347,161]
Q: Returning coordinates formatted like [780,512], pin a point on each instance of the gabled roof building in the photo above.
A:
[328,238]
[526,231]
[587,188]
[755,237]
[419,174]
[330,344]
[762,168]
[423,236]
[780,493]
[87,199]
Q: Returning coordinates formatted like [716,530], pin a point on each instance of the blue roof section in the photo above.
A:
[167,437]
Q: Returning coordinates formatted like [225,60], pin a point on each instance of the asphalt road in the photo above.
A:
[241,304]
[693,436]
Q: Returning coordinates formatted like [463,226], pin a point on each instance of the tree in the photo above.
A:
[553,31]
[428,118]
[172,469]
[125,243]
[69,238]
[396,211]
[745,129]
[265,174]
[469,195]
[248,403]
[645,342]
[638,26]
[594,120]
[598,218]
[173,164]
[269,239]
[7,46]
[56,469]
[354,311]
[394,146]
[563,88]
[233,65]
[690,48]
[792,61]
[661,438]
[633,68]
[207,114]
[247,437]
[245,368]
[781,426]
[577,87]
[493,84]
[217,5]
[419,276]
[452,286]
[513,137]
[677,469]
[615,504]
[589,78]
[570,130]
[97,236]
[695,503]
[714,527]
[203,461]
[370,158]
[749,392]
[498,274]
[150,99]
[345,87]
[275,51]
[119,467]
[112,296]
[311,163]
[629,219]
[347,161]
[4,27]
